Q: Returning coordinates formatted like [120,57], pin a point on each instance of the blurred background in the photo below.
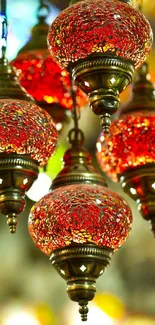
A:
[31,292]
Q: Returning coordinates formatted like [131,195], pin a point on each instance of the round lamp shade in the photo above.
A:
[45,80]
[26,129]
[129,144]
[80,214]
[108,27]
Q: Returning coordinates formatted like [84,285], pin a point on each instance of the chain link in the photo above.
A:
[43,10]
[76,136]
[3,29]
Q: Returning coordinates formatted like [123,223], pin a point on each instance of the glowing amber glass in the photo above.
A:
[129,144]
[109,27]
[45,80]
[80,213]
[26,129]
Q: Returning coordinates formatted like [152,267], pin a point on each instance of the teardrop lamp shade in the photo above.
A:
[101,42]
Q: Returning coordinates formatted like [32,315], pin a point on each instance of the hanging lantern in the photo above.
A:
[27,139]
[127,154]
[101,42]
[49,85]
[79,224]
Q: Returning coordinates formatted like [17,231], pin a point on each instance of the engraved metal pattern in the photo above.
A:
[77,169]
[104,62]
[78,251]
[19,161]
[17,174]
[80,266]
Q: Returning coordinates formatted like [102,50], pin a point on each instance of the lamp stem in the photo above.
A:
[76,135]
[3,29]
[74,109]
[43,11]
[3,7]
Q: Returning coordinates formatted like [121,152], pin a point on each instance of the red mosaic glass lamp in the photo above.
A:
[27,139]
[101,42]
[127,154]
[80,223]
[41,76]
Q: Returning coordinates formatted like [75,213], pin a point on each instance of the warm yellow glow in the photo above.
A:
[59,126]
[45,315]
[95,316]
[99,146]
[38,314]
[20,318]
[110,304]
[64,73]
[50,99]
[139,320]
[105,309]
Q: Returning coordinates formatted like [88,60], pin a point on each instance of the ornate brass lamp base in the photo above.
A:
[77,169]
[80,265]
[139,184]
[17,173]
[103,78]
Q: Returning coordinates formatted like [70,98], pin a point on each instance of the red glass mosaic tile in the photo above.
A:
[130,143]
[26,129]
[45,80]
[80,213]
[108,27]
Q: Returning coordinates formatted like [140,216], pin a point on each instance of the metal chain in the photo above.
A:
[3,28]
[74,109]
[43,11]
[76,136]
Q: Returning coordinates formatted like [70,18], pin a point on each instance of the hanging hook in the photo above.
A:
[3,22]
[43,11]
